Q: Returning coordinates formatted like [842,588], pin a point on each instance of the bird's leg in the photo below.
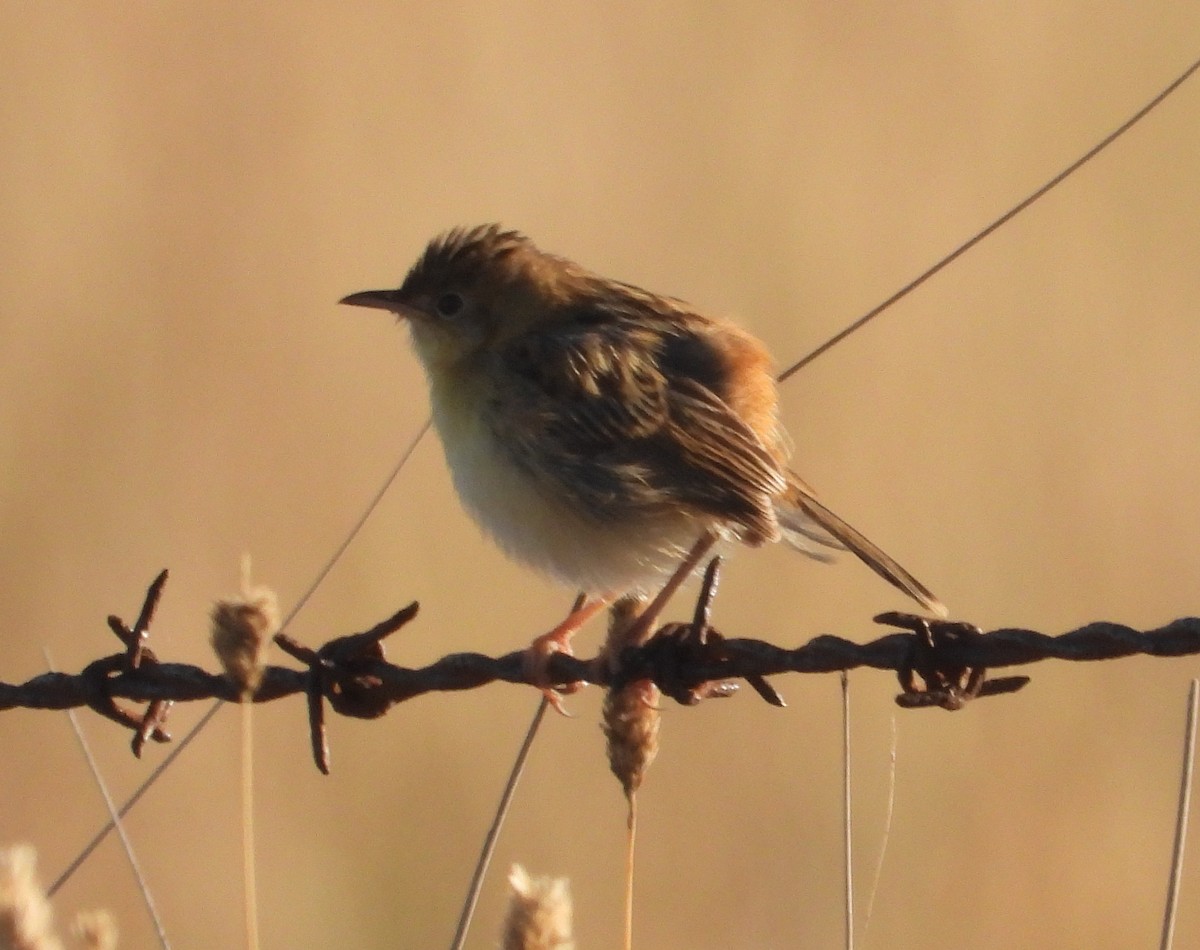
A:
[558,640]
[643,626]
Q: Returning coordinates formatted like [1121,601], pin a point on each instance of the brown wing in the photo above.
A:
[589,410]
[801,500]
[714,443]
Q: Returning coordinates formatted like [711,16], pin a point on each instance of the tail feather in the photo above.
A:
[800,510]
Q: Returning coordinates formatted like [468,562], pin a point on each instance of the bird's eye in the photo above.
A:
[449,304]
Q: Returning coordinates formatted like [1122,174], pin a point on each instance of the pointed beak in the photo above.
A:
[380,300]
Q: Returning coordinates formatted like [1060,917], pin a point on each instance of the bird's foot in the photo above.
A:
[537,665]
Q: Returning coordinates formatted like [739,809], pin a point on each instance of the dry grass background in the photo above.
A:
[187,189]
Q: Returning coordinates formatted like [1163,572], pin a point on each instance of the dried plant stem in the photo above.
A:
[126,843]
[630,850]
[1181,817]
[493,835]
[848,837]
[887,834]
[510,789]
[630,720]
[249,871]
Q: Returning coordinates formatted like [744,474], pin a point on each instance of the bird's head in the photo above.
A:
[471,290]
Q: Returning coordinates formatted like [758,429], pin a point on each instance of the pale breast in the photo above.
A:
[535,527]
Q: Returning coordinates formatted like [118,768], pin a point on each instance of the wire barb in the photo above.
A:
[136,658]
[341,671]
[946,685]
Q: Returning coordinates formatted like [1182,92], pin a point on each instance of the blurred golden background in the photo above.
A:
[187,190]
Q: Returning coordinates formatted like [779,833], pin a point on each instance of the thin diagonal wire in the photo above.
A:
[204,720]
[358,525]
[995,225]
[126,843]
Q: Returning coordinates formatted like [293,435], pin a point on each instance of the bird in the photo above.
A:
[600,433]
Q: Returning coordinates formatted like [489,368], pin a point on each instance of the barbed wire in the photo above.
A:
[938,663]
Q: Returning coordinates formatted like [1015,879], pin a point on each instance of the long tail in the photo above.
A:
[799,510]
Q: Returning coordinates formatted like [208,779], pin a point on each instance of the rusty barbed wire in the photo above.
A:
[938,663]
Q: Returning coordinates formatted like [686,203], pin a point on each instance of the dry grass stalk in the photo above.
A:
[242,628]
[631,720]
[631,716]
